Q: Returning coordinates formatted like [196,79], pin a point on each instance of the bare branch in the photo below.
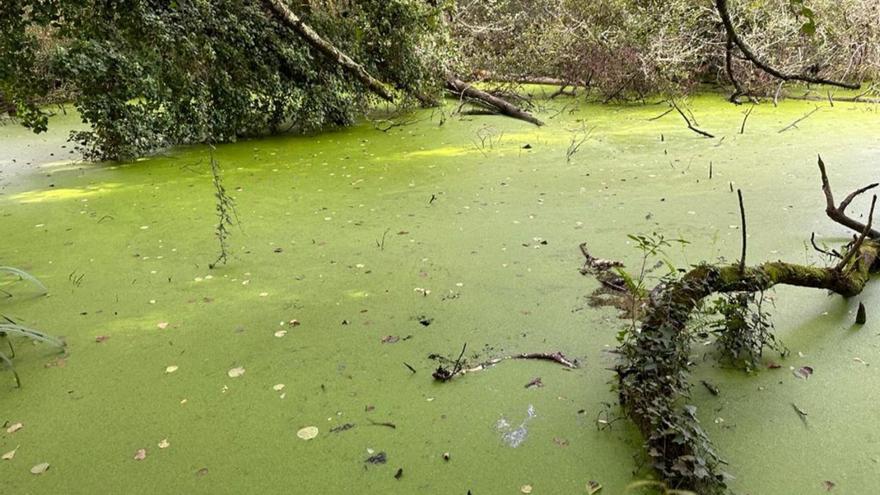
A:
[724,12]
[837,213]
[688,121]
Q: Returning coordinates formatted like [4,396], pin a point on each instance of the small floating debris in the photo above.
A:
[307,433]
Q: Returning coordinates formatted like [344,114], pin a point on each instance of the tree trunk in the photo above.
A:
[483,98]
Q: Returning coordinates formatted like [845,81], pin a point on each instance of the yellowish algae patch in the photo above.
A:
[130,265]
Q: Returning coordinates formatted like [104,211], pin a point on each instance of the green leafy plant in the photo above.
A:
[225,207]
[744,330]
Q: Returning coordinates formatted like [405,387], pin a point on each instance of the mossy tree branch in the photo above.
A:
[653,374]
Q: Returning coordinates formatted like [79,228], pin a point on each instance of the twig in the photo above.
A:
[855,247]
[387,424]
[443,375]
[688,121]
[664,114]
[838,213]
[742,128]
[796,122]
[742,214]
[833,253]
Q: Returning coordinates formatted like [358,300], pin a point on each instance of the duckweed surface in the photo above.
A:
[361,237]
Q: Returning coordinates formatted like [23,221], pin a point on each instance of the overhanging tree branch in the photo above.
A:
[317,42]
[724,12]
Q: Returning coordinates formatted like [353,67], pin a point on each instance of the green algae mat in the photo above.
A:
[304,364]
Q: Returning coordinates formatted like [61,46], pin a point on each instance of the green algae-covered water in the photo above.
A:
[361,236]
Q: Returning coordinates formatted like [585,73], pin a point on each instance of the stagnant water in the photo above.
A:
[360,234]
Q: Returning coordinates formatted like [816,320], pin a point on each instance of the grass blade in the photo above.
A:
[31,334]
[9,365]
[24,276]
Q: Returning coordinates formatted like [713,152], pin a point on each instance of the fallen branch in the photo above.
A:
[688,121]
[443,374]
[465,90]
[724,12]
[317,42]
[796,122]
[653,374]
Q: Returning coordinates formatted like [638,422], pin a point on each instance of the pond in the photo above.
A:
[388,247]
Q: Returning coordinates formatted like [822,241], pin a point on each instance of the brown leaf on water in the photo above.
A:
[803,372]
[140,455]
[58,362]
[235,372]
[14,427]
[560,441]
[828,485]
[162,325]
[535,383]
[40,468]
[593,487]
[101,338]
[390,339]
[202,472]
[164,444]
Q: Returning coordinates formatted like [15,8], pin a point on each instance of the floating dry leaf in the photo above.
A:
[828,485]
[593,487]
[171,369]
[101,338]
[140,455]
[164,444]
[803,372]
[40,468]
[294,323]
[280,333]
[278,387]
[526,489]
[163,325]
[390,339]
[308,433]
[235,372]
[14,427]
[9,455]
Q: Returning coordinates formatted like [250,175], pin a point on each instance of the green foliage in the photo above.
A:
[799,8]
[147,74]
[225,207]
[743,328]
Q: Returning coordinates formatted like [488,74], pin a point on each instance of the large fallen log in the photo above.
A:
[482,98]
[338,57]
[653,373]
